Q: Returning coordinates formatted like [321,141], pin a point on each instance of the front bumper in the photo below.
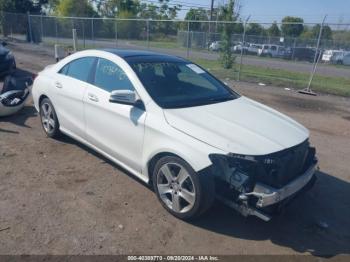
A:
[268,195]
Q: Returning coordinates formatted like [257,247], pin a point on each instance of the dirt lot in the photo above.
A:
[59,197]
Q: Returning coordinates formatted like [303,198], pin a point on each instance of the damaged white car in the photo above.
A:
[174,125]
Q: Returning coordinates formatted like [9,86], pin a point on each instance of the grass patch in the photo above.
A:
[279,77]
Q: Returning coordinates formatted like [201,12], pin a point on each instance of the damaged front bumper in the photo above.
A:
[268,195]
[260,185]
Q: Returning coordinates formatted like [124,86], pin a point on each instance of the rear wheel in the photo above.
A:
[49,119]
[182,191]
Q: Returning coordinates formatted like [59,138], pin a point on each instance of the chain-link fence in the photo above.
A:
[264,53]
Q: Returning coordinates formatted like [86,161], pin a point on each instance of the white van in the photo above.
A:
[331,55]
[272,51]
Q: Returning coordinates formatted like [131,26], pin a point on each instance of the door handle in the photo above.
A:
[92,97]
[58,85]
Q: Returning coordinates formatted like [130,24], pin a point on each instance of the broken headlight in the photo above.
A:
[237,170]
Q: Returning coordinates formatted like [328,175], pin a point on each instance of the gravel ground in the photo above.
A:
[59,197]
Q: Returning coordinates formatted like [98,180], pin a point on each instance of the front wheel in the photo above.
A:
[49,119]
[182,191]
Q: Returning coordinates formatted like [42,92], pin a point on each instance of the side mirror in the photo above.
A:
[123,96]
[3,43]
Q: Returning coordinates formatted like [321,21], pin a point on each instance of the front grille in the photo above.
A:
[280,168]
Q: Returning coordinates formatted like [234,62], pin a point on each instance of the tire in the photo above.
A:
[49,119]
[182,192]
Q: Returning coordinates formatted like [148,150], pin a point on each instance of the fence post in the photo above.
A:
[316,60]
[41,27]
[56,30]
[30,28]
[75,39]
[188,40]
[83,29]
[2,24]
[116,32]
[147,24]
[92,31]
[242,47]
[294,46]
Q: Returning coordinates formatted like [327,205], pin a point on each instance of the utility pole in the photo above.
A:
[317,57]
[242,48]
[211,10]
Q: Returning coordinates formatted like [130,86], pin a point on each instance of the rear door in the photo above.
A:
[70,85]
[117,129]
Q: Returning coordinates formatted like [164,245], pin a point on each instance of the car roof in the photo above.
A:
[135,56]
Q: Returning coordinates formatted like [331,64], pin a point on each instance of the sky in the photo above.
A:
[312,11]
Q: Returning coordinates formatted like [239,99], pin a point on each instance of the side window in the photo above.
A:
[64,70]
[111,77]
[80,68]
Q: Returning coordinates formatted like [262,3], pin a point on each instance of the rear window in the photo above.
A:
[79,69]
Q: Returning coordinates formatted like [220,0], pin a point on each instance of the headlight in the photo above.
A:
[9,56]
[237,170]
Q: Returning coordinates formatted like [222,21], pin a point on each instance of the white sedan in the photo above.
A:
[174,125]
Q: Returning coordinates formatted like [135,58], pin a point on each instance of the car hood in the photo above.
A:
[240,126]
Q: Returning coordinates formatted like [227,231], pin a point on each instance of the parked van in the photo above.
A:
[272,51]
[331,55]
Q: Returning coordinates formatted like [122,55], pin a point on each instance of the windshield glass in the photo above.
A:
[181,84]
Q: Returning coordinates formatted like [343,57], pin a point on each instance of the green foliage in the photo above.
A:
[22,6]
[226,55]
[136,9]
[75,8]
[313,32]
[255,29]
[197,14]
[18,6]
[293,30]
[326,32]
[274,30]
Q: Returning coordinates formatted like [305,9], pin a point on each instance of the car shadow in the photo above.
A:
[19,118]
[316,222]
[68,140]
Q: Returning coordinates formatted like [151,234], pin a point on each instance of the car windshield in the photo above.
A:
[181,84]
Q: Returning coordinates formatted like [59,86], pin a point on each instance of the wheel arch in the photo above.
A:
[42,97]
[153,161]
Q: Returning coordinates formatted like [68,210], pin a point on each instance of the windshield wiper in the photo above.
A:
[221,99]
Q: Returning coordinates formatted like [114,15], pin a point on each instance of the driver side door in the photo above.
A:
[116,129]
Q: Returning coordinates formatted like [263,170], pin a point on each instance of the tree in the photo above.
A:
[313,32]
[292,26]
[327,33]
[274,30]
[22,6]
[228,14]
[255,29]
[18,6]
[75,8]
[111,8]
[197,14]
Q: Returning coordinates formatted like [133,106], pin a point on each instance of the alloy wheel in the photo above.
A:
[176,188]
[47,118]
